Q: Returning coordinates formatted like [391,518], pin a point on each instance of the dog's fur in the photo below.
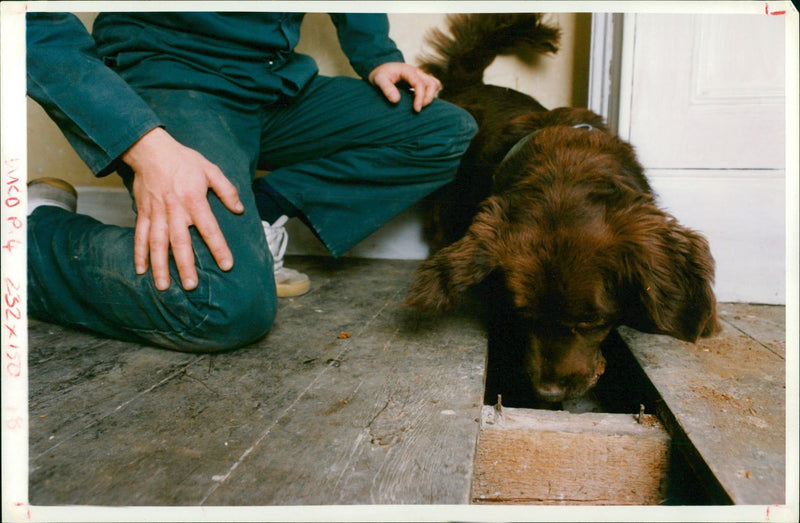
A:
[564,235]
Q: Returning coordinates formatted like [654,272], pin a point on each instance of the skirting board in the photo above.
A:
[400,239]
[757,279]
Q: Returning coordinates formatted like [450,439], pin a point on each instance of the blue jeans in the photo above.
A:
[344,156]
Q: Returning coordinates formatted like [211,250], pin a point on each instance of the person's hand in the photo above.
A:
[386,77]
[170,187]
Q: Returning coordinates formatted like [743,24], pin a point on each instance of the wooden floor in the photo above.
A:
[350,399]
[353,399]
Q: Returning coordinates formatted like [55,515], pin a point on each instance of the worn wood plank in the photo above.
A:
[394,421]
[347,382]
[561,458]
[727,396]
[78,379]
[766,324]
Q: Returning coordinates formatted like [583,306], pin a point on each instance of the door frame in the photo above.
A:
[605,66]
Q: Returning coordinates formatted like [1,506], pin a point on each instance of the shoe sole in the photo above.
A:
[55,182]
[290,290]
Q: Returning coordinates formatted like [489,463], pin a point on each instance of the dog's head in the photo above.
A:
[579,247]
[551,295]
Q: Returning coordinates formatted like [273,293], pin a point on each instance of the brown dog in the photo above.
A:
[551,217]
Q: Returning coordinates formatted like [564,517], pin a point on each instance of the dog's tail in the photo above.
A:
[475,40]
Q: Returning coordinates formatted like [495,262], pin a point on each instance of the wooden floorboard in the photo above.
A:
[78,379]
[350,399]
[727,396]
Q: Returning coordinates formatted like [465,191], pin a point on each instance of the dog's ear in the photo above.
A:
[667,272]
[442,279]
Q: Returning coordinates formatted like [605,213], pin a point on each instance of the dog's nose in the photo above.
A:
[550,392]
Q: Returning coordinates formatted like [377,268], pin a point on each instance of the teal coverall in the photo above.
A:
[230,86]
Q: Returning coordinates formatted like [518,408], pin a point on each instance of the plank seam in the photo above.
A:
[737,328]
[121,406]
[222,478]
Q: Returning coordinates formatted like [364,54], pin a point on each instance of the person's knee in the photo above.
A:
[445,134]
[240,310]
[250,317]
[247,314]
[468,127]
[239,305]
[455,126]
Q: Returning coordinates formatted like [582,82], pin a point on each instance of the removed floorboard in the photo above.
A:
[559,458]
[351,398]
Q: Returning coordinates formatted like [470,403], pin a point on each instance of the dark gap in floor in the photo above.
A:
[624,389]
[621,389]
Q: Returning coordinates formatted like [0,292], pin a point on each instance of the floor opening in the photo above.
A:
[623,389]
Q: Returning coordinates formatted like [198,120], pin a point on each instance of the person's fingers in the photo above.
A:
[170,188]
[434,85]
[224,189]
[209,229]
[141,242]
[388,88]
[158,248]
[180,242]
[386,77]
[425,87]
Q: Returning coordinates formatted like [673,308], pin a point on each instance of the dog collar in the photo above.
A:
[525,139]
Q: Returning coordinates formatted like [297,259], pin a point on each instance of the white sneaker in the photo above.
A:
[288,282]
[51,191]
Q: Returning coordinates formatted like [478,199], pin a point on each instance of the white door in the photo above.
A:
[703,104]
